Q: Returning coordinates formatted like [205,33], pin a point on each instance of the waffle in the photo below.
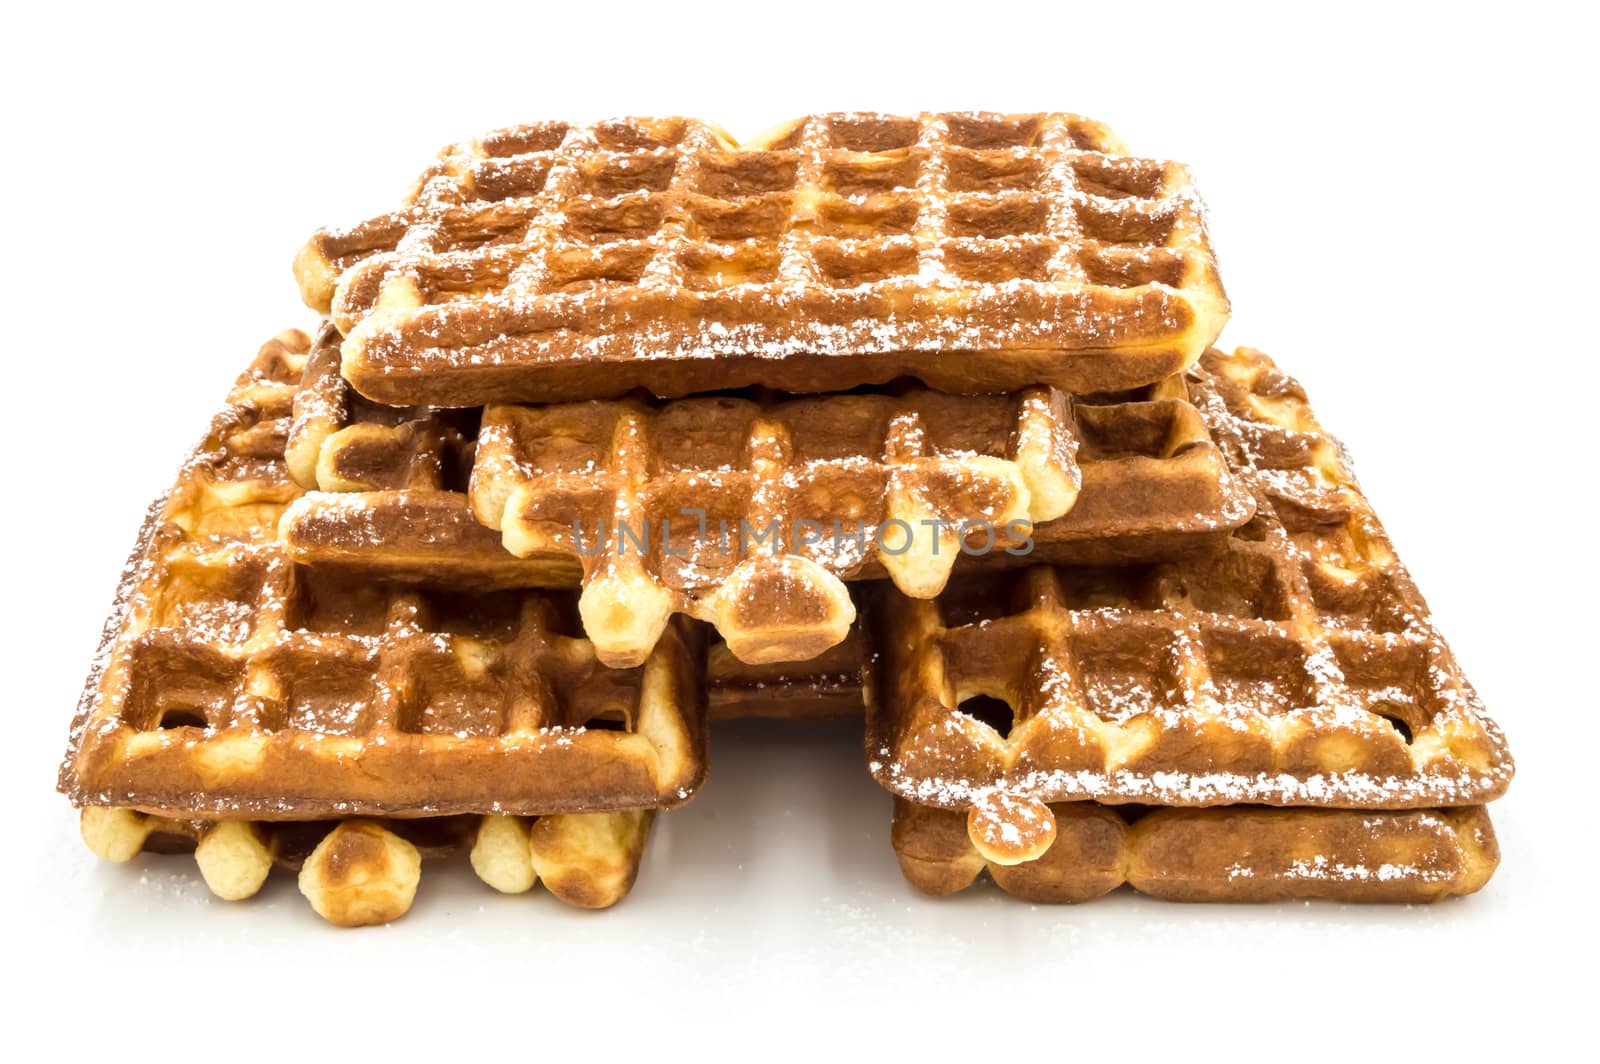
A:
[977,252]
[1237,853]
[394,504]
[746,512]
[1297,667]
[234,684]
[1224,854]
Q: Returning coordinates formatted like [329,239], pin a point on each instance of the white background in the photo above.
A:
[1404,205]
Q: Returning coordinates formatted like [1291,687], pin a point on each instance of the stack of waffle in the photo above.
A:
[613,429]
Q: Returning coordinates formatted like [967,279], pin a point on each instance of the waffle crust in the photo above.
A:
[1222,854]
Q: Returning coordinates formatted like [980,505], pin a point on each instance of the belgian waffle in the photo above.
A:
[978,252]
[360,871]
[233,683]
[1225,853]
[393,504]
[757,507]
[1297,667]
[1235,853]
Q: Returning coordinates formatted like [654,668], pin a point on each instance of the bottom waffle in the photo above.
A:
[358,872]
[1224,853]
[265,714]
[363,871]
[1231,853]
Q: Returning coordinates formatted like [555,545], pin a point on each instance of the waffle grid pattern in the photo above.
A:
[1299,667]
[696,505]
[237,682]
[394,504]
[645,242]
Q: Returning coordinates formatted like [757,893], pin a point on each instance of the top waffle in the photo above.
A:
[977,252]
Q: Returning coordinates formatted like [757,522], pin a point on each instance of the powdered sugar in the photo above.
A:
[871,241]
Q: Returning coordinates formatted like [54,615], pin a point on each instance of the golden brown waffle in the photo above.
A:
[748,512]
[978,252]
[234,683]
[1225,853]
[357,872]
[1297,667]
[1234,853]
[393,506]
